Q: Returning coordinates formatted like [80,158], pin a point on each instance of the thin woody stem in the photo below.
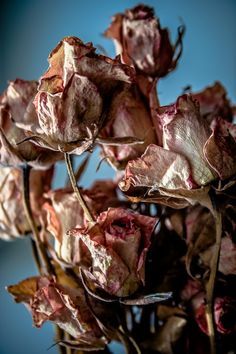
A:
[41,252]
[211,282]
[35,254]
[76,189]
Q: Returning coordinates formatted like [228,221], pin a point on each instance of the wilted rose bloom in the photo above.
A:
[128,116]
[48,300]
[224,314]
[64,202]
[118,244]
[214,102]
[13,221]
[141,42]
[191,158]
[74,95]
[17,116]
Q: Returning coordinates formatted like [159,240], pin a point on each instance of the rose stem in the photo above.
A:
[39,252]
[59,335]
[28,211]
[76,189]
[211,282]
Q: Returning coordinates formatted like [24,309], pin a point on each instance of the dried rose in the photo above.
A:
[224,314]
[128,116]
[118,244]
[74,95]
[65,306]
[64,202]
[13,222]
[141,42]
[191,158]
[17,116]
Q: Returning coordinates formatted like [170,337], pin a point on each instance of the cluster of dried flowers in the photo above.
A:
[155,270]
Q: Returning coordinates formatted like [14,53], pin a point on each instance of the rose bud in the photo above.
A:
[224,314]
[191,158]
[141,42]
[64,202]
[17,116]
[214,102]
[64,306]
[13,221]
[74,95]
[118,244]
[128,116]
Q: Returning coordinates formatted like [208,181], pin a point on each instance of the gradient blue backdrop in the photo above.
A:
[30,29]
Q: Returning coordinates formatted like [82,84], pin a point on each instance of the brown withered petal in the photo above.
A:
[214,102]
[185,132]
[141,41]
[128,116]
[24,290]
[13,222]
[220,148]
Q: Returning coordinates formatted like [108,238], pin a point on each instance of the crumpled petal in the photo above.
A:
[13,221]
[220,148]
[128,116]
[162,176]
[214,102]
[185,132]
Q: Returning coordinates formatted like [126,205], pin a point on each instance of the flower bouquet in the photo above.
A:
[147,259]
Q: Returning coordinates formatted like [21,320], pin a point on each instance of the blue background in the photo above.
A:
[30,29]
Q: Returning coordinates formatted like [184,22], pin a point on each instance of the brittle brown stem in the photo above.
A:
[211,283]
[59,335]
[77,191]
[41,252]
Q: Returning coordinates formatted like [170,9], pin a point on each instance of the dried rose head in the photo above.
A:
[64,202]
[224,314]
[141,42]
[193,155]
[13,221]
[118,244]
[17,117]
[74,95]
[128,116]
[65,306]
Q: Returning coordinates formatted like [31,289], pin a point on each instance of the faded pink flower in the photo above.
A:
[128,116]
[64,202]
[191,158]
[118,244]
[141,42]
[67,307]
[17,116]
[224,314]
[13,221]
[74,95]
